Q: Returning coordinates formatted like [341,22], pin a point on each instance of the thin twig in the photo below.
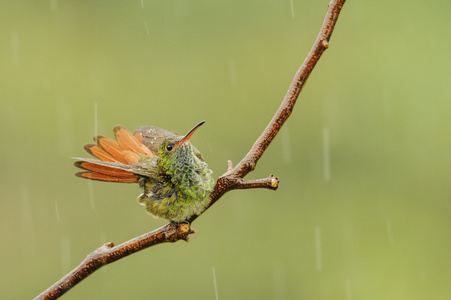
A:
[232,179]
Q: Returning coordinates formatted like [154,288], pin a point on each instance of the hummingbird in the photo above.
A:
[176,181]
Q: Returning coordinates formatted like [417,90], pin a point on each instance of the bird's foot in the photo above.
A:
[178,224]
[183,227]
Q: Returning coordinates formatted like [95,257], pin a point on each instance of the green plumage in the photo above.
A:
[176,181]
[182,184]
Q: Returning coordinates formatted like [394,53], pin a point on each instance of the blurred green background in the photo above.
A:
[363,209]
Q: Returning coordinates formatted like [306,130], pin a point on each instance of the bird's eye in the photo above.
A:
[168,147]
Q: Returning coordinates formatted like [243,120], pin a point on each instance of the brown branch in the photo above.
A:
[108,253]
[271,183]
[232,179]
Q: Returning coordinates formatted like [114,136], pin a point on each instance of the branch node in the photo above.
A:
[274,182]
[325,43]
[184,228]
[177,231]
[229,165]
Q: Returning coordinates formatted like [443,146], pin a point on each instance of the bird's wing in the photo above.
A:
[120,161]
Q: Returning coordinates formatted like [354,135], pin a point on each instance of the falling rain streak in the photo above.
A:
[326,153]
[57,212]
[95,119]
[214,282]
[318,249]
[91,197]
[232,72]
[147,27]
[387,104]
[292,8]
[53,5]
[348,289]
[90,186]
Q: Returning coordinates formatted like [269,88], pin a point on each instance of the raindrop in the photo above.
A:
[57,212]
[292,8]
[318,249]
[214,282]
[348,288]
[387,104]
[90,185]
[91,197]
[147,27]
[95,119]
[53,5]
[210,147]
[326,152]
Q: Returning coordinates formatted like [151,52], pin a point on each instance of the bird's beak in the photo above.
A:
[186,138]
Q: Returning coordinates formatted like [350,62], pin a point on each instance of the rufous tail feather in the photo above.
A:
[126,150]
